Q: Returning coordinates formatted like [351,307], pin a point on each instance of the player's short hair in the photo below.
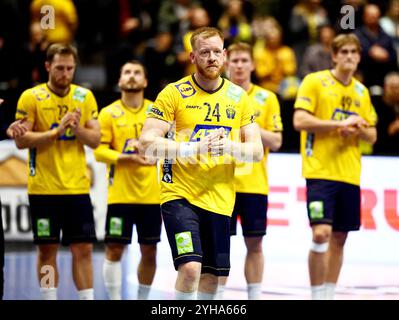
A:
[240,46]
[61,49]
[344,39]
[205,33]
[134,61]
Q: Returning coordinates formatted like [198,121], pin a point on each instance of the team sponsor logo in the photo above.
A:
[234,92]
[261,96]
[156,112]
[167,171]
[43,227]
[193,107]
[68,135]
[202,130]
[316,209]
[130,146]
[359,88]
[184,242]
[80,94]
[115,226]
[340,114]
[41,94]
[230,112]
[186,89]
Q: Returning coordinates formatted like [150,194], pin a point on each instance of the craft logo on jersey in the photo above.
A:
[202,130]
[130,146]
[186,89]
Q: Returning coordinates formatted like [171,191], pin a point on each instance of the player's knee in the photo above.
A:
[114,252]
[321,235]
[190,271]
[81,251]
[254,245]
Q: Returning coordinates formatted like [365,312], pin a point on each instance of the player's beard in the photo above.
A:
[210,74]
[61,84]
[133,88]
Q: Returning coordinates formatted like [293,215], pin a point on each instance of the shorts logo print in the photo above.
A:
[184,242]
[316,209]
[43,227]
[115,226]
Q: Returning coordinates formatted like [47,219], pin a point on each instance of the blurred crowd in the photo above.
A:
[290,39]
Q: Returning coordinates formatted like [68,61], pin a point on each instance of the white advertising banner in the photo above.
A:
[288,229]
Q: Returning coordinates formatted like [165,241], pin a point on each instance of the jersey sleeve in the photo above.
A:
[91,107]
[307,94]
[248,112]
[273,118]
[104,153]
[26,107]
[165,105]
[368,112]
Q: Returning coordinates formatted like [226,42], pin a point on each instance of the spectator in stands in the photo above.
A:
[65,19]
[387,108]
[305,18]
[318,56]
[234,24]
[378,52]
[390,23]
[275,63]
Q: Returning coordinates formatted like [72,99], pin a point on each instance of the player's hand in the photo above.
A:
[76,115]
[351,126]
[17,128]
[66,122]
[219,143]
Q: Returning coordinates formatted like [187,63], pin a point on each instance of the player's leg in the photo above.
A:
[182,227]
[46,225]
[254,222]
[233,231]
[79,233]
[321,205]
[346,218]
[215,242]
[148,225]
[118,234]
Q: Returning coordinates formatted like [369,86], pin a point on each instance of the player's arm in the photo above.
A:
[271,139]
[368,134]
[104,153]
[33,139]
[152,143]
[89,134]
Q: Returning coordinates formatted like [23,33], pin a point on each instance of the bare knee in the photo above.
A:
[114,252]
[81,251]
[208,282]
[190,271]
[321,233]
[148,252]
[254,245]
[47,252]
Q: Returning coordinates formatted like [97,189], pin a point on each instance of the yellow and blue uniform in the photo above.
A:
[251,179]
[205,182]
[327,155]
[133,189]
[58,168]
[58,182]
[128,183]
[331,163]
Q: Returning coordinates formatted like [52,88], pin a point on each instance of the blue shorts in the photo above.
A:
[334,203]
[122,217]
[73,214]
[252,209]
[196,234]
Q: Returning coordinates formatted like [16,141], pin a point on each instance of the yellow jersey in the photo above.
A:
[252,177]
[59,167]
[204,181]
[127,182]
[327,155]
